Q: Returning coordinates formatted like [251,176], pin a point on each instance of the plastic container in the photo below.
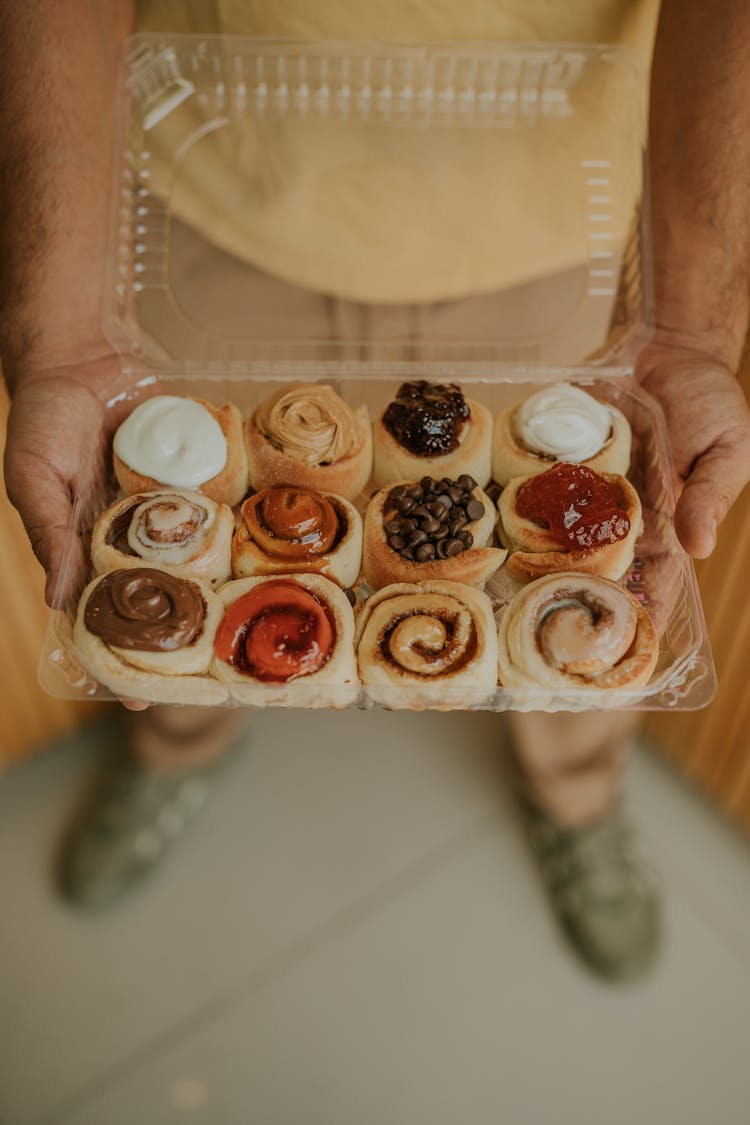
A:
[566,123]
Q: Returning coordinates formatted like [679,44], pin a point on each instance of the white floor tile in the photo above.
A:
[322,814]
[454,1002]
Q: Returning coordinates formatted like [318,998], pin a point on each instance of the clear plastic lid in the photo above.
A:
[387,177]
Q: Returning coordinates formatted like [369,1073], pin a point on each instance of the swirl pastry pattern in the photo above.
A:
[285,640]
[576,634]
[148,635]
[184,533]
[435,641]
[580,520]
[306,435]
[286,529]
[559,423]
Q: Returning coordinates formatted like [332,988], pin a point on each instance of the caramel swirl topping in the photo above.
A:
[145,609]
[309,423]
[430,635]
[292,523]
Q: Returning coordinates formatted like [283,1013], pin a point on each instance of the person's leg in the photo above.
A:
[568,769]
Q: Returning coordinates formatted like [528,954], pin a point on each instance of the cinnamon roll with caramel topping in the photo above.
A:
[428,645]
[184,533]
[285,529]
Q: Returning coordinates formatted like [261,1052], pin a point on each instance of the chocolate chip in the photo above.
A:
[430,525]
[440,549]
[405,504]
[475,509]
[416,493]
[351,596]
[439,509]
[426,553]
[455,494]
[408,554]
[417,538]
[456,524]
[392,526]
[444,499]
[427,484]
[466,482]
[446,482]
[420,513]
[397,493]
[441,533]
[453,547]
[466,538]
[396,542]
[408,525]
[493,490]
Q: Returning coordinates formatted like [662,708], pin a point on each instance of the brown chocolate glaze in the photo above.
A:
[427,418]
[145,609]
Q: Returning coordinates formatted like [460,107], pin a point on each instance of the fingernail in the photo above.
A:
[714,528]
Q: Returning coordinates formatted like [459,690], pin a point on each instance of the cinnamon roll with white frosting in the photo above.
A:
[559,423]
[184,533]
[428,645]
[577,634]
[185,443]
[146,634]
[308,436]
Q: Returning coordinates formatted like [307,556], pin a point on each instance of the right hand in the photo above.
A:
[58,435]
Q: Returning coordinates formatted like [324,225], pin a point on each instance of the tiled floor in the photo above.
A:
[353,934]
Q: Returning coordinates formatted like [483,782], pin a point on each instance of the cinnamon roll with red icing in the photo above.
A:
[569,518]
[578,634]
[184,533]
[285,529]
[146,634]
[286,640]
[428,645]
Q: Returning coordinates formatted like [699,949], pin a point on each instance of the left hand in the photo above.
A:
[709,428]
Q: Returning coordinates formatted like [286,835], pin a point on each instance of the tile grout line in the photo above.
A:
[274,969]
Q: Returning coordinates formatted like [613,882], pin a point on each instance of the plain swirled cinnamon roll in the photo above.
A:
[577,634]
[559,423]
[146,634]
[569,518]
[428,645]
[184,533]
[287,529]
[185,443]
[286,640]
[308,436]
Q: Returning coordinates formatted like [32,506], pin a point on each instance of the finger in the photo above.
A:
[44,504]
[712,487]
[135,705]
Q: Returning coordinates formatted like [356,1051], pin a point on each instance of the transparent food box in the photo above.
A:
[364,214]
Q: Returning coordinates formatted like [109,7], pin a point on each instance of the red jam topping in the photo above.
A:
[276,632]
[576,504]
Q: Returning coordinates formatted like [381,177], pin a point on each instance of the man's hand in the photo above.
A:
[58,434]
[709,427]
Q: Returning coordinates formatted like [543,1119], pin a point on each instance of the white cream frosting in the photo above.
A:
[173,440]
[564,422]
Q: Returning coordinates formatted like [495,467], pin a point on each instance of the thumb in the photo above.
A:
[43,501]
[714,483]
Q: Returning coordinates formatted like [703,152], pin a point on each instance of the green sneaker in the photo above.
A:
[134,818]
[604,895]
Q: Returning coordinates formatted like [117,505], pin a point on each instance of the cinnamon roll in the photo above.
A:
[430,428]
[428,645]
[146,634]
[308,436]
[184,443]
[559,423]
[430,530]
[286,529]
[184,533]
[577,634]
[569,518]
[286,640]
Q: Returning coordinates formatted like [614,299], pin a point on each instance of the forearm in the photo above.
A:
[58,68]
[700,175]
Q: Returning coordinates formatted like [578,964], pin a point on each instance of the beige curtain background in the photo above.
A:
[711,746]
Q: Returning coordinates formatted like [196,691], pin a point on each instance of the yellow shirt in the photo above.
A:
[390,215]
